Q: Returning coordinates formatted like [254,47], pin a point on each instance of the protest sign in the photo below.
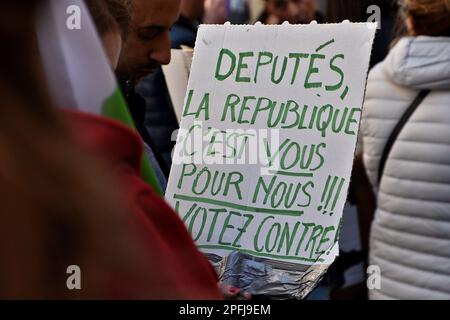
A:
[176,74]
[267,139]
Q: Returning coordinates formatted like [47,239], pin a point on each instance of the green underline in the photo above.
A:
[259,254]
[292,174]
[238,206]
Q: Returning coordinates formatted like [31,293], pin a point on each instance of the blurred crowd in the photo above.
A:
[71,186]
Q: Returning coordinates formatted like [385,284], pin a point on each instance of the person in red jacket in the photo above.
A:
[72,203]
[184,272]
[72,199]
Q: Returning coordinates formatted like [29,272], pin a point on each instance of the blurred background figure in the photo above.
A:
[409,240]
[361,11]
[184,31]
[216,11]
[239,11]
[293,11]
[58,204]
[221,11]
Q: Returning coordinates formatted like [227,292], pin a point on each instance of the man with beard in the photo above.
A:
[160,120]
[146,47]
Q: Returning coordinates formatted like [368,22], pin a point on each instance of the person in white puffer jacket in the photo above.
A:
[410,234]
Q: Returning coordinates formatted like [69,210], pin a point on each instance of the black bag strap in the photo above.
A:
[398,128]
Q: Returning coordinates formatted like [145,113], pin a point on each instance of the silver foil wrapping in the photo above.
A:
[269,278]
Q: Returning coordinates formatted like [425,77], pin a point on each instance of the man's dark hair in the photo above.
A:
[110,14]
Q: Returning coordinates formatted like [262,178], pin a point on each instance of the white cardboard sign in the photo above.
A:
[265,150]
